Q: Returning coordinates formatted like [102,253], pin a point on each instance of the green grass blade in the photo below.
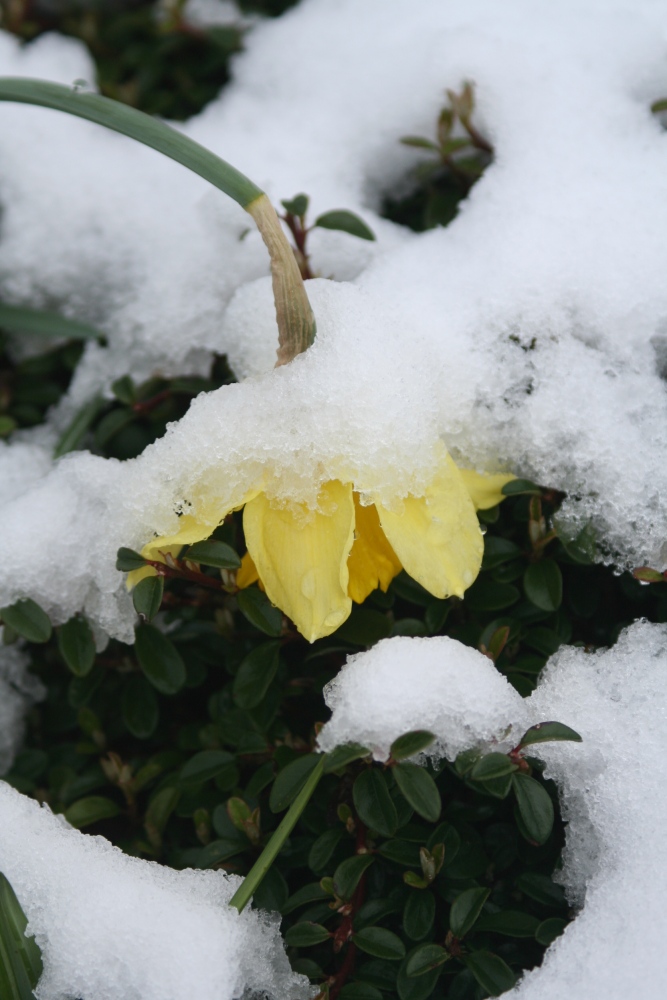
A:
[135,124]
[16,319]
[20,958]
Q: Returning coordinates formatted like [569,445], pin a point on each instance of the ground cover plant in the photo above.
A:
[185,693]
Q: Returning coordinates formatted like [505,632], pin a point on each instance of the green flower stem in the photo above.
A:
[296,322]
[246,890]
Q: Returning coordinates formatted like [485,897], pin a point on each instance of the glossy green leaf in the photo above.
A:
[420,790]
[359,991]
[18,319]
[400,851]
[159,659]
[465,910]
[364,627]
[511,923]
[345,222]
[491,972]
[91,810]
[305,935]
[28,620]
[380,943]
[416,987]
[348,873]
[418,915]
[516,486]
[310,893]
[78,428]
[323,848]
[535,807]
[374,803]
[411,743]
[425,958]
[291,780]
[204,766]
[498,551]
[213,553]
[543,584]
[255,674]
[147,597]
[544,732]
[77,646]
[549,930]
[139,706]
[492,765]
[259,611]
[487,595]
[20,957]
[541,888]
[343,755]
[298,205]
[128,559]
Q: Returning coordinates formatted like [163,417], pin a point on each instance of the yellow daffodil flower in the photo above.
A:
[314,563]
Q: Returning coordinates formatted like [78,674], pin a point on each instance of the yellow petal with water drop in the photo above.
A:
[485,490]
[301,557]
[437,536]
[372,563]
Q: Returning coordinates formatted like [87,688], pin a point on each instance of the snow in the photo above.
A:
[112,927]
[19,690]
[528,335]
[615,858]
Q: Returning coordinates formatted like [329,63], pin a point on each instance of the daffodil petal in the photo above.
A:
[247,573]
[485,490]
[301,557]
[437,536]
[372,563]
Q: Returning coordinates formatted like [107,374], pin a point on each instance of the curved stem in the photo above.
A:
[248,887]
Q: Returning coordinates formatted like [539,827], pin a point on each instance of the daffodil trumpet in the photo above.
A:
[313,564]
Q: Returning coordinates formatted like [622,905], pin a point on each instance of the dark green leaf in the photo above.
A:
[416,881]
[543,584]
[77,646]
[541,889]
[535,807]
[272,892]
[549,930]
[420,790]
[91,810]
[204,766]
[418,143]
[411,743]
[359,991]
[159,659]
[416,987]
[345,222]
[491,972]
[139,707]
[255,674]
[465,910]
[323,848]
[498,551]
[512,923]
[516,486]
[347,875]
[373,802]
[487,595]
[311,893]
[298,205]
[160,808]
[75,433]
[418,915]
[543,732]
[259,611]
[44,324]
[381,943]
[343,755]
[213,553]
[401,852]
[147,597]
[305,935]
[128,559]
[290,781]
[425,958]
[364,627]
[27,619]
[20,958]
[7,425]
[124,390]
[492,765]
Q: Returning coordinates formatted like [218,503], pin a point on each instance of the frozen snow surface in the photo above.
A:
[19,690]
[113,927]
[615,859]
[530,334]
